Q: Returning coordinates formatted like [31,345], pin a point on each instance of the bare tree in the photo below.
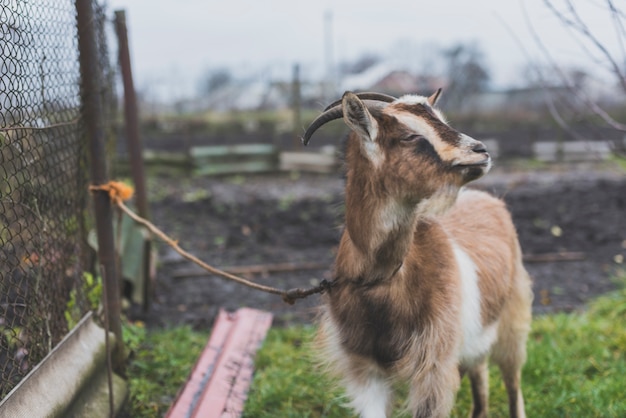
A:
[566,109]
[467,73]
[361,64]
[216,79]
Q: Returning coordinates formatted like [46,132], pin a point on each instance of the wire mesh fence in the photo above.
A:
[45,263]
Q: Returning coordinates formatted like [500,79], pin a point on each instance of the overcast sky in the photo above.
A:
[173,42]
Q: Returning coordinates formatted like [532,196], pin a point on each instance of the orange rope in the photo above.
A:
[119,192]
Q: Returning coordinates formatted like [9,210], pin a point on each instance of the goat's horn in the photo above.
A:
[328,115]
[335,111]
[366,96]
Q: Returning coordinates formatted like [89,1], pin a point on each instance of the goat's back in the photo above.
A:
[481,226]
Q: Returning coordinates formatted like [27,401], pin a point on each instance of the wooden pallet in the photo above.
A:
[219,382]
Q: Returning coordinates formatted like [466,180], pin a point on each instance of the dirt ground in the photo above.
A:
[296,219]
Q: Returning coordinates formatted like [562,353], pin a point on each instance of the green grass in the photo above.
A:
[619,161]
[161,361]
[576,368]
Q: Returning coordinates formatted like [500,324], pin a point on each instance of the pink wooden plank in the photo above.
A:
[239,391]
[220,379]
[225,394]
[189,397]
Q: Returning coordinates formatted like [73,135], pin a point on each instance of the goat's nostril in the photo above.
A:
[479,148]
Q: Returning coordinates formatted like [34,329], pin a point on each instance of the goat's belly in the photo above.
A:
[477,345]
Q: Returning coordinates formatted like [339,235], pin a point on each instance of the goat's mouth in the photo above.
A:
[473,170]
[486,162]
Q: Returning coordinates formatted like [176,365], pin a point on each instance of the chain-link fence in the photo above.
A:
[45,282]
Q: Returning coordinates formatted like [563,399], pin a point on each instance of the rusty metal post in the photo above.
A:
[93,116]
[131,118]
[133,139]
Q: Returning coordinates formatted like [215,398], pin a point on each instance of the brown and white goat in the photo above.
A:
[429,280]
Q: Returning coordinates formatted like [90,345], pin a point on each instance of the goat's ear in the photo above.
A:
[358,118]
[432,100]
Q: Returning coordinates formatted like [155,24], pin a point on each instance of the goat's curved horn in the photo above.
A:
[335,111]
[328,115]
[366,96]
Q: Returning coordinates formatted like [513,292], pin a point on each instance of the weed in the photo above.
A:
[195,195]
[285,202]
[237,180]
[91,291]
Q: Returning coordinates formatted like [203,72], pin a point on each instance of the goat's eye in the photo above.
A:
[413,138]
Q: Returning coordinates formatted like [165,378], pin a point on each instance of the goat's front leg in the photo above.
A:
[479,379]
[370,397]
[433,392]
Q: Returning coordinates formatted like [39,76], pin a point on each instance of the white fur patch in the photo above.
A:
[410,99]
[438,203]
[413,99]
[368,135]
[393,214]
[420,126]
[467,141]
[372,129]
[373,152]
[369,400]
[477,339]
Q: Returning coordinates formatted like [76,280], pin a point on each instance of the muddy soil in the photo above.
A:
[276,219]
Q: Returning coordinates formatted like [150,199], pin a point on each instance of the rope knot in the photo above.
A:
[117,190]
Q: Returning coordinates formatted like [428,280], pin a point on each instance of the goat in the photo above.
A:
[428,277]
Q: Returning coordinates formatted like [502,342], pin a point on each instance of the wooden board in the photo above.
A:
[232,159]
[572,151]
[308,161]
[219,382]
[229,150]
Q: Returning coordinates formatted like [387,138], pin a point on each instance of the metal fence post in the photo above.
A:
[91,87]
[131,118]
[133,139]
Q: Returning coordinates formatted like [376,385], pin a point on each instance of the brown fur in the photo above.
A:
[478,214]
[394,311]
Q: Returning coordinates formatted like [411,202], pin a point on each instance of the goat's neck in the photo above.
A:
[380,229]
[379,232]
